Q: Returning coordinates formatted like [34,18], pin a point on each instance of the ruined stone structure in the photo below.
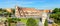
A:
[21,12]
[28,12]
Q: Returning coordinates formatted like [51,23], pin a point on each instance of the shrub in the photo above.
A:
[31,22]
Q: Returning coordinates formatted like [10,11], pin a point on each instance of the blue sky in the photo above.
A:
[39,4]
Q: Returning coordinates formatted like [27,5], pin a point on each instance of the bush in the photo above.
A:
[31,22]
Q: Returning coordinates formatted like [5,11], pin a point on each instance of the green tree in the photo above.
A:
[46,23]
[7,14]
[59,9]
[12,20]
[0,9]
[56,15]
[56,10]
[31,22]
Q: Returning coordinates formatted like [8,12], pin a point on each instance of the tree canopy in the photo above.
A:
[56,15]
[31,22]
[5,13]
[12,20]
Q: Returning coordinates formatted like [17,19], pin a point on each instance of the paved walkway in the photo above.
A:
[40,24]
